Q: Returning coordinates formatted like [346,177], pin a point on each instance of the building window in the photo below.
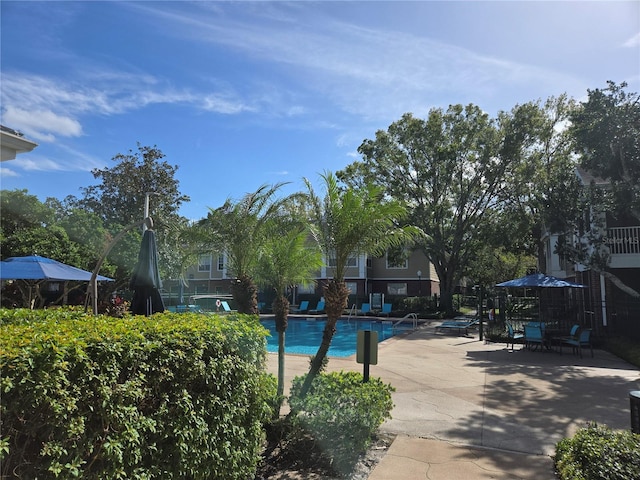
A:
[352,287]
[397,258]
[351,262]
[204,263]
[311,288]
[220,262]
[397,289]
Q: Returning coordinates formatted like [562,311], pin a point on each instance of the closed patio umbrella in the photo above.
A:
[145,281]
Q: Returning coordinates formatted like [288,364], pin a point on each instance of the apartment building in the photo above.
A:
[608,309]
[393,276]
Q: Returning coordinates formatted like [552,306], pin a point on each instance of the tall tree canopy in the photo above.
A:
[449,170]
[606,132]
[474,184]
[606,137]
[542,190]
[119,199]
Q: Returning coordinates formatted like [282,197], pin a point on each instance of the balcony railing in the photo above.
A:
[623,240]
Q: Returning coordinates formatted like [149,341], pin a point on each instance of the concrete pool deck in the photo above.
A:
[469,410]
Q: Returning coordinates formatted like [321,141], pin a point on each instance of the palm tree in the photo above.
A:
[239,230]
[286,259]
[345,223]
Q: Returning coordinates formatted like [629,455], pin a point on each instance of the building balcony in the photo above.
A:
[624,246]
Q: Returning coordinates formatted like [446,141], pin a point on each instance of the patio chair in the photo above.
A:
[513,336]
[583,340]
[319,308]
[533,337]
[573,335]
[304,306]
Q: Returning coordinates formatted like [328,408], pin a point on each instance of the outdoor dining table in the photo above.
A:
[553,338]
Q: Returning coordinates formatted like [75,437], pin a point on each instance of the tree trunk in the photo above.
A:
[281,358]
[447,288]
[618,283]
[245,293]
[281,310]
[336,297]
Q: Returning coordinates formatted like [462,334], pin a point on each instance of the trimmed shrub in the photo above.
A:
[598,453]
[169,396]
[341,413]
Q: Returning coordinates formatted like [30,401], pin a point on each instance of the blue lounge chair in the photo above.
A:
[583,340]
[226,308]
[386,309]
[513,336]
[458,325]
[319,308]
[364,309]
[304,306]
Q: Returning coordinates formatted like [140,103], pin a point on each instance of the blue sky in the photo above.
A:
[238,94]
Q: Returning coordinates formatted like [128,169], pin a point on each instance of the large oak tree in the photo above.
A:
[449,170]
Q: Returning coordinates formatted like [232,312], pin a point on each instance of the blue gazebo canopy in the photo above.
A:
[35,267]
[539,280]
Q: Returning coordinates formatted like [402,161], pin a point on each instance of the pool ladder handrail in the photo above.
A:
[352,311]
[411,316]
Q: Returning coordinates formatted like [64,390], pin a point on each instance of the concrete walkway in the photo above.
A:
[469,410]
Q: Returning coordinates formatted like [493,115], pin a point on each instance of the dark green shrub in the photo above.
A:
[169,396]
[419,304]
[598,453]
[341,413]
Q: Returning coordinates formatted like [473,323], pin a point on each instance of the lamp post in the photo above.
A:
[419,272]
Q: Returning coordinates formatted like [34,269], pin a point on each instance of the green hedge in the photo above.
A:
[341,413]
[169,396]
[598,453]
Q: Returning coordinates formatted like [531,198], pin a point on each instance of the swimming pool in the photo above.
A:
[305,334]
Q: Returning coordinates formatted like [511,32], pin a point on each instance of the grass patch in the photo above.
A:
[625,349]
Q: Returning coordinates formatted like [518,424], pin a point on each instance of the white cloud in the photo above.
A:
[36,123]
[7,172]
[632,42]
[39,164]
[47,107]
[219,104]
[373,73]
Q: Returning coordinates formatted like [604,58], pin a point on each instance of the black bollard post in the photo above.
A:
[367,355]
[634,403]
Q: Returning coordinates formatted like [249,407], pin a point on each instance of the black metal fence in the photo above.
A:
[623,318]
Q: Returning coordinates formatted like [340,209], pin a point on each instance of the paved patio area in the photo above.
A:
[473,410]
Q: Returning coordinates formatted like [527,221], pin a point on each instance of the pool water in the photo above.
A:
[304,335]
